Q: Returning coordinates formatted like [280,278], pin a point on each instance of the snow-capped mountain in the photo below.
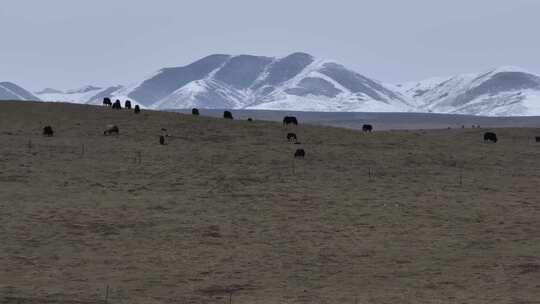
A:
[85,94]
[48,91]
[506,91]
[11,91]
[82,90]
[295,82]
[302,82]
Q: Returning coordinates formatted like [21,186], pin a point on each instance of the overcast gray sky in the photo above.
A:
[70,43]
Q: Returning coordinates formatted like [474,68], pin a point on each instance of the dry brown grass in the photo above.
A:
[220,209]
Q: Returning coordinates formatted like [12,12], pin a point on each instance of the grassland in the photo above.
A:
[224,213]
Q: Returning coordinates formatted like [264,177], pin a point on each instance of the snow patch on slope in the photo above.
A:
[20,97]
[317,104]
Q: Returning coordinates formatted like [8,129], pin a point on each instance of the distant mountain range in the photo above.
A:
[86,94]
[506,91]
[301,82]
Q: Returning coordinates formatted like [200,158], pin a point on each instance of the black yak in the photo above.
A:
[291,137]
[127,104]
[111,129]
[137,109]
[227,115]
[48,131]
[290,120]
[300,153]
[490,136]
[107,102]
[117,105]
[195,111]
[367,128]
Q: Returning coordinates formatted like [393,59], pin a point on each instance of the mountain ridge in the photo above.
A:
[11,91]
[302,82]
[503,91]
[247,81]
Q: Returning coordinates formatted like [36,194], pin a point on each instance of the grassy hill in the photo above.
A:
[224,209]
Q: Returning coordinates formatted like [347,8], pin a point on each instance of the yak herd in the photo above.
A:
[287,120]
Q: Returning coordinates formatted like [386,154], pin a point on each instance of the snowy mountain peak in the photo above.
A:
[509,68]
[11,91]
[49,91]
[81,90]
[84,89]
[501,91]
[297,81]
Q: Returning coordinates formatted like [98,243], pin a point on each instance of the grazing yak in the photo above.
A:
[227,115]
[127,104]
[107,102]
[111,129]
[367,128]
[137,109]
[195,112]
[287,120]
[291,137]
[537,138]
[117,105]
[164,132]
[300,153]
[48,131]
[490,136]
[250,119]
